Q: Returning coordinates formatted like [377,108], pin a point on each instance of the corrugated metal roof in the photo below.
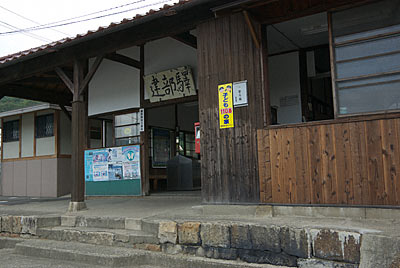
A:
[55,44]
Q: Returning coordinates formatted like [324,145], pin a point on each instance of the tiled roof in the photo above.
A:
[55,44]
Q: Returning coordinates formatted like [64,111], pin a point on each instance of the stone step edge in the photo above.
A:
[98,237]
[137,257]
[134,224]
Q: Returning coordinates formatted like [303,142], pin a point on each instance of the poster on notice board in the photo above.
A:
[110,164]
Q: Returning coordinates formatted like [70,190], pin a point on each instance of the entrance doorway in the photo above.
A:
[171,138]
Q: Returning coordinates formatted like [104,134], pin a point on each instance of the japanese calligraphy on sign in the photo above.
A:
[225,106]
[171,84]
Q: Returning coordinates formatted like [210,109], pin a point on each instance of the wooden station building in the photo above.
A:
[320,123]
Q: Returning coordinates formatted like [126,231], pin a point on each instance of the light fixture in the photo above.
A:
[316,29]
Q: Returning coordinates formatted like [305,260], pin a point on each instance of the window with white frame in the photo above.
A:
[127,129]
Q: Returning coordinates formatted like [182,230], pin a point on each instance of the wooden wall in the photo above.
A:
[338,162]
[226,53]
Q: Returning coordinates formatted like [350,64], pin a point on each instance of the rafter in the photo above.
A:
[124,60]
[67,81]
[187,38]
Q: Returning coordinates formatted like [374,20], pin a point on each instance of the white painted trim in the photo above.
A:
[32,109]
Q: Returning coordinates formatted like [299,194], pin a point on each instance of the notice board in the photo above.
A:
[113,171]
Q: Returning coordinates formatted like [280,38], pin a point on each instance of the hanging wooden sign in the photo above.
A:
[171,84]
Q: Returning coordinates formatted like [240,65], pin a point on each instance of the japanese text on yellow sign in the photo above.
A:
[225,106]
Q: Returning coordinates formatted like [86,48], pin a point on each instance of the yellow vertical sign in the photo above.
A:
[225,106]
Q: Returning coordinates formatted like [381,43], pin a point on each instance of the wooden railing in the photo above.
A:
[352,161]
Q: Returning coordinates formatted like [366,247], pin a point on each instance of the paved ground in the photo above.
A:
[18,200]
[130,207]
[11,260]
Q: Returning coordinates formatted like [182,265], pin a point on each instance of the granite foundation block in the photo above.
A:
[337,245]
[189,233]
[265,238]
[267,257]
[215,235]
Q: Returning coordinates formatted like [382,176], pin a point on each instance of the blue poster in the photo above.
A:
[110,164]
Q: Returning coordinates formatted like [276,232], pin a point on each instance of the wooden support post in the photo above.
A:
[79,141]
[265,79]
[144,141]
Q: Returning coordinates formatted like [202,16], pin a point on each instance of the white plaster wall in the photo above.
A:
[115,86]
[27,134]
[168,53]
[45,146]
[11,150]
[284,78]
[65,135]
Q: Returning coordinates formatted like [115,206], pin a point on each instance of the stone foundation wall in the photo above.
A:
[253,243]
[248,242]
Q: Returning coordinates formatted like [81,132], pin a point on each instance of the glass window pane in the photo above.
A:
[126,119]
[369,98]
[126,131]
[44,126]
[11,131]
[368,66]
[372,47]
[109,134]
[127,141]
[365,18]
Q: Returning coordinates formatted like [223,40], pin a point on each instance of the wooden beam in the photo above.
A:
[65,79]
[148,104]
[65,111]
[36,94]
[251,28]
[83,85]
[124,60]
[187,38]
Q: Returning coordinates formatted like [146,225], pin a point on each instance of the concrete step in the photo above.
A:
[101,222]
[98,236]
[120,257]
[9,242]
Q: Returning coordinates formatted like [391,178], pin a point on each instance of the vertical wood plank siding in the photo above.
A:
[348,163]
[226,53]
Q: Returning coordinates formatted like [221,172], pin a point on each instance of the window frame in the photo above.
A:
[137,124]
[334,61]
[14,123]
[46,135]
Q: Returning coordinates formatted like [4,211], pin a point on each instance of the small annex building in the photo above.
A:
[36,152]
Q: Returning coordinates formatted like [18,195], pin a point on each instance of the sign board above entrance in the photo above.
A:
[171,84]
